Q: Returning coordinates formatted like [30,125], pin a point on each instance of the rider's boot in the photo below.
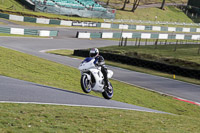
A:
[104,71]
[107,86]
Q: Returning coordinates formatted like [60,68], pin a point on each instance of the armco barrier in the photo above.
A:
[20,31]
[100,25]
[146,64]
[137,35]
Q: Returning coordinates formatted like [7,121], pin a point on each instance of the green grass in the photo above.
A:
[185,55]
[170,14]
[15,35]
[44,118]
[33,118]
[12,4]
[1,23]
[129,67]
[25,67]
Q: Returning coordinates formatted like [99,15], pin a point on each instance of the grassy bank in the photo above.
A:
[44,118]
[170,14]
[12,5]
[14,35]
[22,66]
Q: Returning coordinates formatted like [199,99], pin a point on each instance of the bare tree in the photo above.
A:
[135,5]
[107,2]
[163,4]
[125,1]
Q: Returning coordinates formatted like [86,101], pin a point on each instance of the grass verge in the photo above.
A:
[14,35]
[44,118]
[2,23]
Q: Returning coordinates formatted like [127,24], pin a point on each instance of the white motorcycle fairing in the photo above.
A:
[88,66]
[110,74]
[99,80]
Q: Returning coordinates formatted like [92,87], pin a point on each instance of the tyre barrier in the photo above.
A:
[171,69]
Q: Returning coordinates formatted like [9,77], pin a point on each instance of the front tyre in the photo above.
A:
[86,84]
[108,92]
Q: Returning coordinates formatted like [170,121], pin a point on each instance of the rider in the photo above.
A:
[99,61]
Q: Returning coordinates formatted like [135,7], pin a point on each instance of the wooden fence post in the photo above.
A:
[156,43]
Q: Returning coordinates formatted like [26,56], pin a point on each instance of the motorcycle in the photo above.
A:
[92,78]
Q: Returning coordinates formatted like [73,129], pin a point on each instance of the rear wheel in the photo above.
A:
[86,84]
[108,92]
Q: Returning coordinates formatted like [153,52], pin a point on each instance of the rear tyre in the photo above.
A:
[108,92]
[86,84]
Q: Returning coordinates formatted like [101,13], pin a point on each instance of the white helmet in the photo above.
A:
[94,52]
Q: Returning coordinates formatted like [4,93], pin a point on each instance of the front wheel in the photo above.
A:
[86,84]
[108,92]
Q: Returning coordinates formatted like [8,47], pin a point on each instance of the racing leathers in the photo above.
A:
[99,61]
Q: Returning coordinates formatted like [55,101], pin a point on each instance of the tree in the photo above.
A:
[135,5]
[124,5]
[107,2]
[163,4]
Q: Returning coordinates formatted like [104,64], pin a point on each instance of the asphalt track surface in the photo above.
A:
[27,92]
[66,40]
